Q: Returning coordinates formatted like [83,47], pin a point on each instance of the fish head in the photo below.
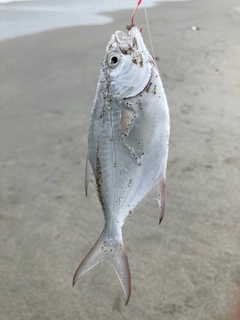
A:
[128,64]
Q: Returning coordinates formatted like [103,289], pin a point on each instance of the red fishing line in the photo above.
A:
[139,2]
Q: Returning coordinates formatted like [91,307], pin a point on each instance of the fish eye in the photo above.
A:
[113,59]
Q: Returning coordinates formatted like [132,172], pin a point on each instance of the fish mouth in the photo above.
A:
[128,43]
[121,37]
[122,40]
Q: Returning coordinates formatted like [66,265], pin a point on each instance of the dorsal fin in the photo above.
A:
[88,172]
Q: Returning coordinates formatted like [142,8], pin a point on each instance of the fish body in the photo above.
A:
[127,145]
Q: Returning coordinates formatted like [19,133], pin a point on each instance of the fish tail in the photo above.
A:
[112,251]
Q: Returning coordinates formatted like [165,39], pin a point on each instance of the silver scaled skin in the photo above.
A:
[127,145]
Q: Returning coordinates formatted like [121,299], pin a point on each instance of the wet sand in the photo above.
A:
[189,267]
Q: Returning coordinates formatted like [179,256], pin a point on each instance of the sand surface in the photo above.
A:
[189,267]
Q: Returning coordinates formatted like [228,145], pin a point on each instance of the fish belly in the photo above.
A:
[128,148]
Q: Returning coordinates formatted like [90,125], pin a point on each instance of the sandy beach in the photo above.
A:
[187,268]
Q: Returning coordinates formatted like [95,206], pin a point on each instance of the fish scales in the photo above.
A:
[127,145]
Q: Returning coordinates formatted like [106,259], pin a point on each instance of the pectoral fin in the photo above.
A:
[127,122]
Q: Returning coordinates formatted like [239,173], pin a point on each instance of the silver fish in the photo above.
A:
[127,145]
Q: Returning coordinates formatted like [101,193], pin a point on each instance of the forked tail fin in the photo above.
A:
[113,251]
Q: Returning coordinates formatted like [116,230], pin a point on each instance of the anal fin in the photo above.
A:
[162,202]
[157,192]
